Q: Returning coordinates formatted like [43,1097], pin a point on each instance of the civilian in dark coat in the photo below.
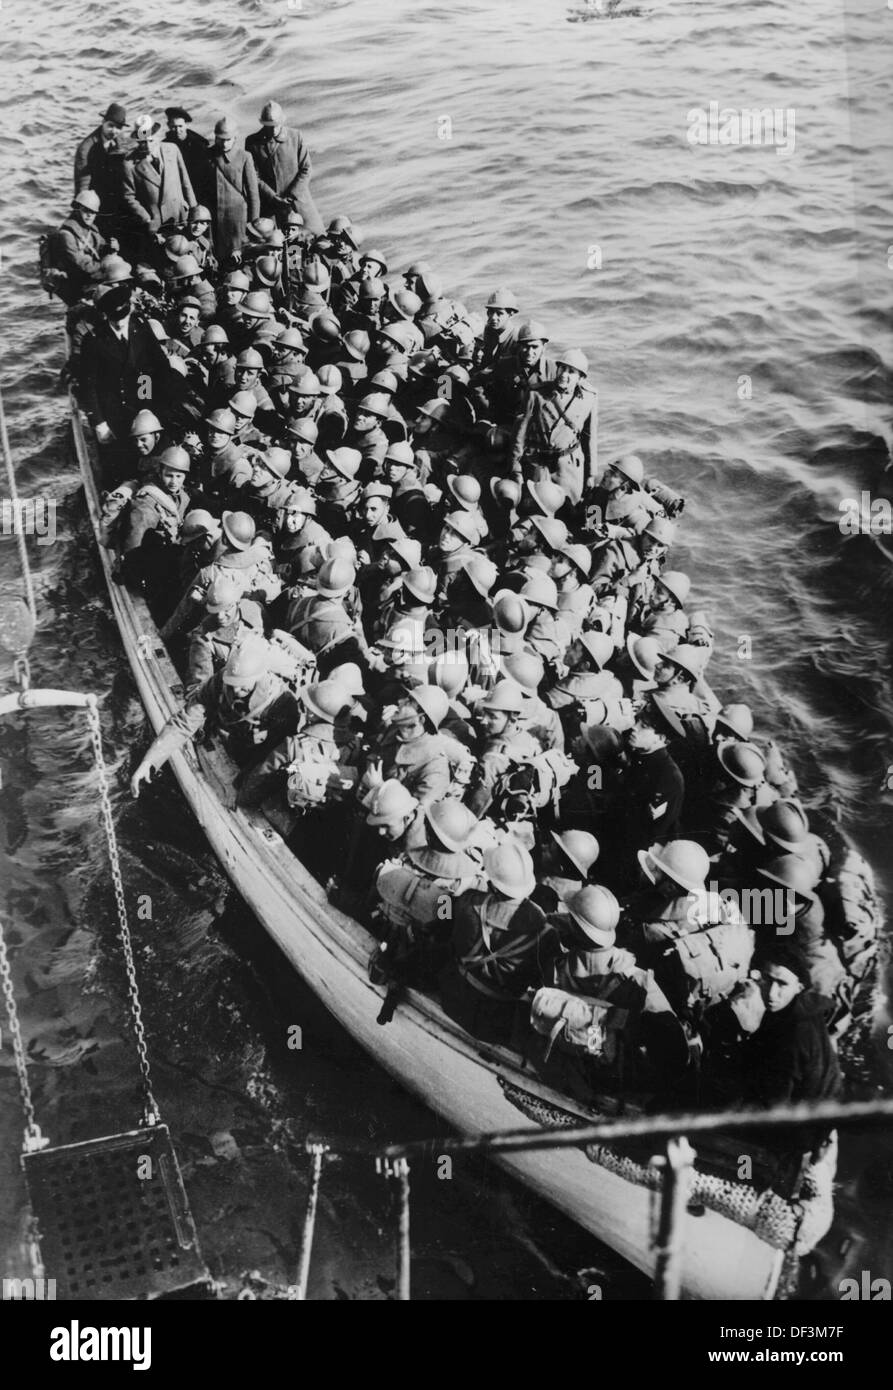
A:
[192,146]
[123,368]
[229,189]
[283,167]
[97,160]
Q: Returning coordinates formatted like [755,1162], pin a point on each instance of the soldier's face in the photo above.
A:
[225,616]
[493,721]
[449,541]
[187,319]
[393,828]
[369,269]
[294,521]
[497,319]
[145,443]
[530,354]
[363,422]
[259,475]
[178,127]
[652,549]
[87,215]
[373,510]
[217,439]
[232,296]
[665,673]
[566,378]
[409,725]
[224,142]
[780,987]
[300,449]
[395,472]
[172,480]
[246,377]
[199,226]
[560,566]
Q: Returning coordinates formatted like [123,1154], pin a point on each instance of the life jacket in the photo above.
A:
[319,772]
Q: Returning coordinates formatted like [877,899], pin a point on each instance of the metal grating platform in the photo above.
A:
[105,1231]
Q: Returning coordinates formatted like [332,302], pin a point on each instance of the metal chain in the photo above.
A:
[33,1137]
[152,1113]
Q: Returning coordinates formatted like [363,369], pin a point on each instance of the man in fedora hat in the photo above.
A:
[97,158]
[283,167]
[156,188]
[229,189]
[192,146]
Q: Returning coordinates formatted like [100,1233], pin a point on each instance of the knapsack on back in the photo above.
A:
[525,788]
[52,279]
[703,967]
[315,777]
[594,1028]
[407,898]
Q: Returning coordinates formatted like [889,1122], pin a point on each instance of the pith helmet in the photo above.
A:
[596,912]
[553,531]
[87,199]
[200,523]
[349,677]
[225,127]
[272,114]
[345,461]
[250,357]
[175,457]
[452,822]
[786,824]
[505,491]
[540,589]
[243,403]
[115,270]
[449,672]
[743,762]
[289,338]
[684,861]
[482,573]
[335,578]
[301,499]
[177,247]
[465,489]
[373,288]
[304,429]
[325,328]
[236,280]
[644,653]
[344,228]
[391,801]
[276,461]
[256,305]
[549,497]
[506,697]
[406,548]
[401,452]
[330,379]
[661,529]
[377,256]
[199,213]
[224,421]
[689,659]
[406,303]
[509,868]
[375,404]
[306,384]
[144,422]
[793,873]
[525,669]
[581,848]
[598,646]
[532,332]
[385,381]
[631,467]
[580,558]
[503,299]
[214,333]
[184,267]
[357,344]
[325,699]
[421,583]
[223,592]
[433,702]
[239,529]
[510,612]
[247,662]
[677,585]
[575,359]
[316,274]
[463,525]
[738,719]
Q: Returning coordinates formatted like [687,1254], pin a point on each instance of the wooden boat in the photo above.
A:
[735,1236]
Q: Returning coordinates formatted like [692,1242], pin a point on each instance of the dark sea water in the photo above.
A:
[737,316]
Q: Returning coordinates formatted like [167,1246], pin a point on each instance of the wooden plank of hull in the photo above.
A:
[450,1072]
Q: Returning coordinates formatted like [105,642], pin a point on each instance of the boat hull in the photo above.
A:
[462,1080]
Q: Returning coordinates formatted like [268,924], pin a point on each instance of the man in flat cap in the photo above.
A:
[228,187]
[192,146]
[97,163]
[283,168]
[156,188]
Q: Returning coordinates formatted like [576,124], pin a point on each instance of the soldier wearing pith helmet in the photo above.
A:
[283,163]
[557,436]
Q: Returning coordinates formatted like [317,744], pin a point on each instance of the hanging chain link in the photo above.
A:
[33,1137]
[152,1114]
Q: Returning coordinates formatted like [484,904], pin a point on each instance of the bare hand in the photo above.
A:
[142,774]
[748,1006]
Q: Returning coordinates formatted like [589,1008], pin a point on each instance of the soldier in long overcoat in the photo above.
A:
[229,189]
[283,167]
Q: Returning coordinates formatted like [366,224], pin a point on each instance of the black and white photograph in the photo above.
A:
[446,729]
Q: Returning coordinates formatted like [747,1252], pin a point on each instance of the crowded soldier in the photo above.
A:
[417,608]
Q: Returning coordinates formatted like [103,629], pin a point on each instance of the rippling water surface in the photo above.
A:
[737,318]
